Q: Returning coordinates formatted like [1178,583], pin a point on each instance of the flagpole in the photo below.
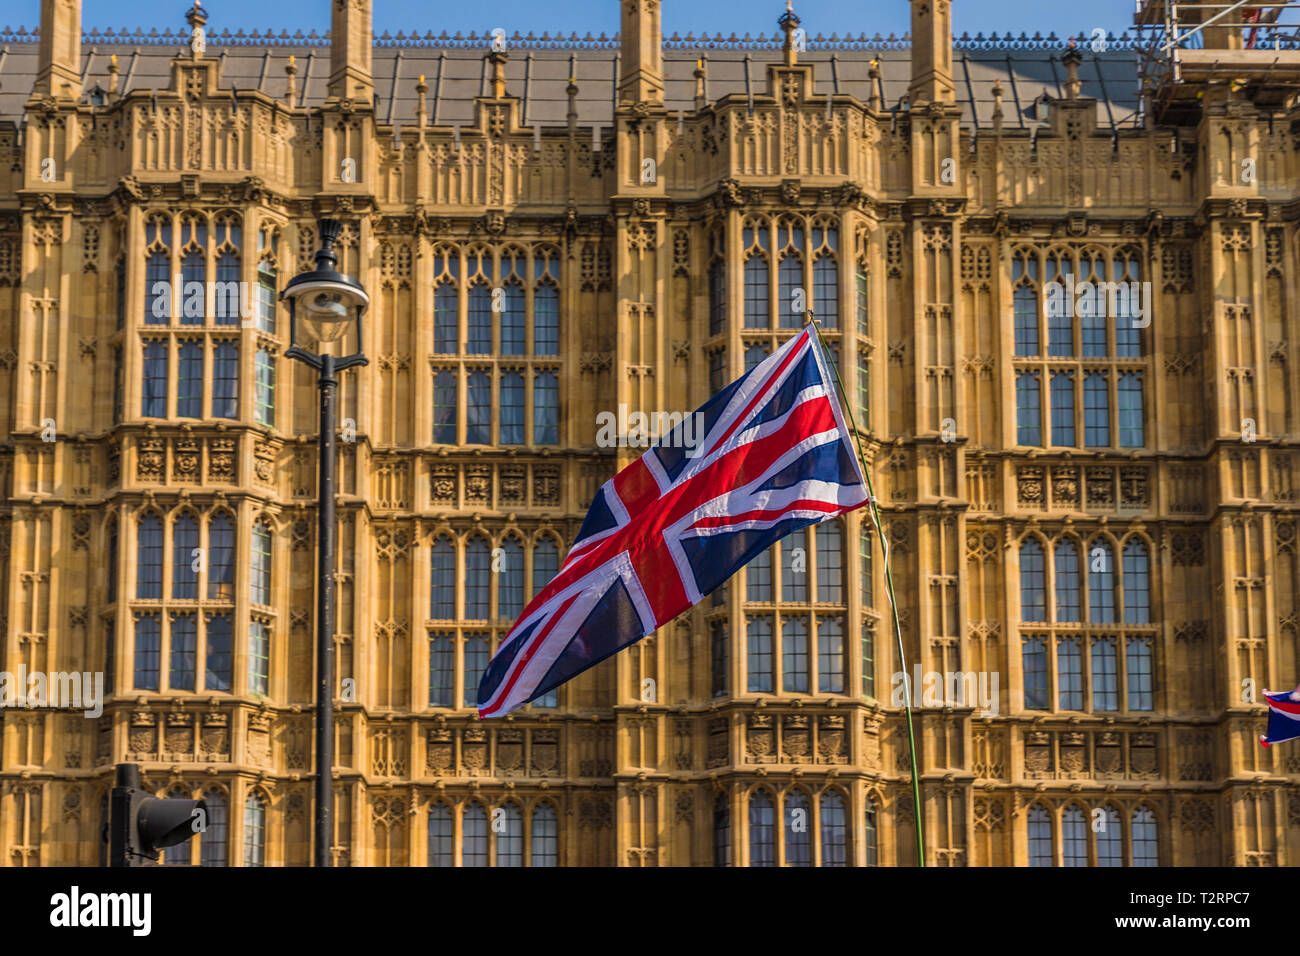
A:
[893,602]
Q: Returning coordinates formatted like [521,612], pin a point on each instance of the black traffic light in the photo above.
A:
[142,824]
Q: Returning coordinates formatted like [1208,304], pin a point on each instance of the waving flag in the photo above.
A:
[771,454]
[1283,716]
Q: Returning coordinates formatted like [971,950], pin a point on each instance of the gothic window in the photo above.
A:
[546,409]
[510,580]
[1144,838]
[757,266]
[1096,410]
[830,654]
[157,271]
[194,272]
[185,544]
[864,554]
[149,558]
[869,836]
[1074,837]
[112,559]
[826,289]
[794,655]
[260,572]
[259,658]
[442,597]
[1101,583]
[1069,671]
[1067,582]
[721,831]
[1033,663]
[480,319]
[834,830]
[546,563]
[862,299]
[717,371]
[445,319]
[762,829]
[868,660]
[546,304]
[1060,327]
[189,386]
[1033,588]
[221,558]
[1105,674]
[1127,274]
[478,559]
[830,553]
[255,830]
[512,320]
[184,645]
[474,836]
[545,850]
[442,671]
[758,576]
[510,836]
[148,651]
[718,657]
[790,275]
[445,404]
[1092,314]
[759,654]
[225,380]
[1024,282]
[717,296]
[512,408]
[440,836]
[1137,583]
[1137,658]
[1063,408]
[794,567]
[864,392]
[1040,836]
[119,385]
[266,294]
[220,664]
[798,826]
[212,844]
[1131,425]
[264,377]
[754,356]
[1110,839]
[476,652]
[478,422]
[1029,425]
[154,393]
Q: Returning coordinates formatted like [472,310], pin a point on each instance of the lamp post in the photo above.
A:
[330,302]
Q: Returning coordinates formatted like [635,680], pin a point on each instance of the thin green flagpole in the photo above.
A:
[893,602]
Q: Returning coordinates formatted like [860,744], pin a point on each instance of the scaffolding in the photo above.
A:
[1186,46]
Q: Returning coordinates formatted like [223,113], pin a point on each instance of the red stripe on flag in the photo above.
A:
[636,487]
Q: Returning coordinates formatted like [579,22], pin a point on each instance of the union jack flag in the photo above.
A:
[772,454]
[1283,716]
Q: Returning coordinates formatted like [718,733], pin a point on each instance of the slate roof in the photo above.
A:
[538,71]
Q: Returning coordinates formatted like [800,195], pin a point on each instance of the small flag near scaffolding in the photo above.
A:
[1283,716]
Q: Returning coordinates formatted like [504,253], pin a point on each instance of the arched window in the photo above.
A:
[1040,836]
[260,571]
[1126,271]
[474,836]
[798,827]
[181,853]
[1029,409]
[194,273]
[1092,314]
[512,408]
[1067,582]
[157,272]
[149,557]
[834,830]
[510,581]
[212,845]
[826,291]
[185,542]
[255,830]
[789,278]
[721,831]
[510,836]
[221,558]
[512,318]
[446,322]
[1137,583]
[757,309]
[1074,837]
[758,576]
[1033,582]
[478,414]
[1144,838]
[1110,839]
[445,401]
[1101,583]
[1024,276]
[546,319]
[545,849]
[546,562]
[546,409]
[442,583]
[440,836]
[478,566]
[830,557]
[762,830]
[480,319]
[759,654]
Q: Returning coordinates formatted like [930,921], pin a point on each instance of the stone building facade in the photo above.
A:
[1092,517]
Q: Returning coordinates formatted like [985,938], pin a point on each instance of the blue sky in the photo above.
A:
[683,16]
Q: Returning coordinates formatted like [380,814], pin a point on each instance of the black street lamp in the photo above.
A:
[330,302]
